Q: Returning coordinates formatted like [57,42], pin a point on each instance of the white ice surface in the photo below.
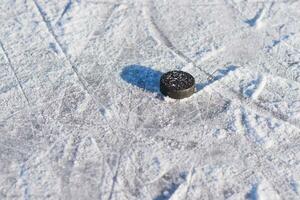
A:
[81,116]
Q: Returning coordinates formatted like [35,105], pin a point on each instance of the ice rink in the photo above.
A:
[82,117]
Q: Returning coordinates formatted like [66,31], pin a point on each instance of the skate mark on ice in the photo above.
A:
[172,186]
[244,126]
[66,9]
[220,73]
[115,176]
[213,52]
[276,42]
[14,72]
[71,153]
[255,87]
[262,190]
[266,167]
[48,25]
[265,111]
[53,47]
[260,87]
[159,36]
[142,77]
[249,124]
[162,39]
[52,33]
[294,186]
[189,181]
[100,30]
[256,20]
[265,16]
[24,183]
[252,194]
[250,103]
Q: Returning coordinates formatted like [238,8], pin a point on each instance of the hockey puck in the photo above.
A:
[177,84]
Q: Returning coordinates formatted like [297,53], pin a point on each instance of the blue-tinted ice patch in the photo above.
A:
[252,22]
[294,186]
[52,46]
[252,194]
[251,87]
[172,187]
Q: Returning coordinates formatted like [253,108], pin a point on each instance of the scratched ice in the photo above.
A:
[81,116]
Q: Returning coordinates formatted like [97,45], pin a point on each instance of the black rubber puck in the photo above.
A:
[177,84]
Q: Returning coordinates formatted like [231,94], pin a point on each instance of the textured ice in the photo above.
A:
[81,116]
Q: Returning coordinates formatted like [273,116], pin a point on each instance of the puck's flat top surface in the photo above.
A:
[177,80]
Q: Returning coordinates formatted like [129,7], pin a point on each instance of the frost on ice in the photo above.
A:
[81,116]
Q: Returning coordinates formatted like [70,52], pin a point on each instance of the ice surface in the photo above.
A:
[81,116]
